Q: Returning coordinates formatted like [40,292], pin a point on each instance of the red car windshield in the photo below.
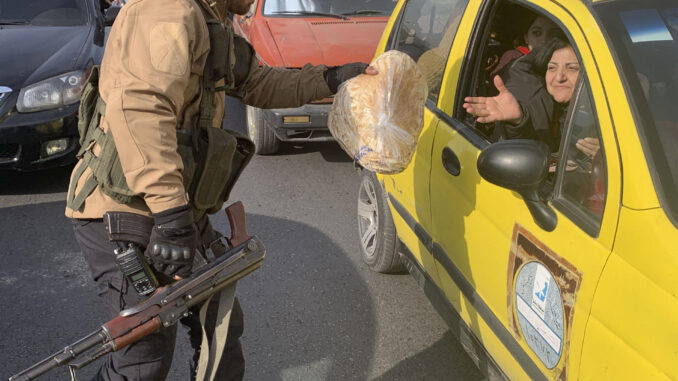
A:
[336,7]
[43,12]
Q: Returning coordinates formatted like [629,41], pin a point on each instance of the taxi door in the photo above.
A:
[525,292]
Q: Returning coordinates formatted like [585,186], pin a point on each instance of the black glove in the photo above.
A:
[335,75]
[173,242]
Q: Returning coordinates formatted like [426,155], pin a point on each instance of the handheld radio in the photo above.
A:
[130,232]
[131,262]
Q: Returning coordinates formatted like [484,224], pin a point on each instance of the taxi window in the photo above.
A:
[645,38]
[582,173]
[425,32]
[500,46]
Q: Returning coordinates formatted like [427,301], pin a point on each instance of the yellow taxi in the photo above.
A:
[550,264]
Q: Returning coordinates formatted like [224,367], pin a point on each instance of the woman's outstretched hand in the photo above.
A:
[503,107]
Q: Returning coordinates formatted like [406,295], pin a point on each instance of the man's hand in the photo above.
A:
[503,107]
[173,242]
[335,75]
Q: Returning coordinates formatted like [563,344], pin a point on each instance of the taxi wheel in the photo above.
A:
[265,141]
[378,239]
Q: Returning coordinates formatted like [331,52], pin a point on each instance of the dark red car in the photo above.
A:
[291,33]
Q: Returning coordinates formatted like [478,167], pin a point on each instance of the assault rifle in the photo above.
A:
[166,306]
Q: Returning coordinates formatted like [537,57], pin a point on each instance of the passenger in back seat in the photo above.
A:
[539,31]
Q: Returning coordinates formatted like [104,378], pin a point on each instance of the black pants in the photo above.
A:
[149,359]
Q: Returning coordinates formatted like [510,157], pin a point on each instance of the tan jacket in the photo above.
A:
[151,84]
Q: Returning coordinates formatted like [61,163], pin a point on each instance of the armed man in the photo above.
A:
[153,150]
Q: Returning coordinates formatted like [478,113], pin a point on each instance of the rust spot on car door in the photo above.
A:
[526,248]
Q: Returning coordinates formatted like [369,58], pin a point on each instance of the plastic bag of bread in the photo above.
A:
[377,119]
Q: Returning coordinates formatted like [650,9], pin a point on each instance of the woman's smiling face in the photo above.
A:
[561,74]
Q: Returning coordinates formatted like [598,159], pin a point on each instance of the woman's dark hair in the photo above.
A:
[541,56]
[513,22]
[525,23]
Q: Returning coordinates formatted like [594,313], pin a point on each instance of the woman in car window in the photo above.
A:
[584,168]
[542,116]
[525,79]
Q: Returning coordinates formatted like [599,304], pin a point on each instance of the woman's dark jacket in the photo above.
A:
[538,107]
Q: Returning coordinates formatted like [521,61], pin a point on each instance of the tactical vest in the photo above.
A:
[213,158]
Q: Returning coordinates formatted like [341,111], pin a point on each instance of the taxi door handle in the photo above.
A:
[451,162]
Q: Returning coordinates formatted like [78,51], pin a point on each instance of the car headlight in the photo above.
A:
[51,93]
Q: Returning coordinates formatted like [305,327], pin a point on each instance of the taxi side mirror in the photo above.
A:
[520,165]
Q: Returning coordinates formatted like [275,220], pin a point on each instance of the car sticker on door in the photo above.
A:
[540,312]
[542,289]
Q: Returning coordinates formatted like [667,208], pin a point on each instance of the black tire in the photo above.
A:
[265,141]
[378,238]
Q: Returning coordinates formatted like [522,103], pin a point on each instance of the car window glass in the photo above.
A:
[582,171]
[645,37]
[362,7]
[426,32]
[275,6]
[43,12]
[351,6]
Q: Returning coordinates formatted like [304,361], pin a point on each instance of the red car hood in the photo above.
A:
[326,41]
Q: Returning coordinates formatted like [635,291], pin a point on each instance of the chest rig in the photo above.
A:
[213,158]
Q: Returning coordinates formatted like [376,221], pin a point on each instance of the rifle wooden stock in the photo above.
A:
[137,333]
[166,306]
[121,325]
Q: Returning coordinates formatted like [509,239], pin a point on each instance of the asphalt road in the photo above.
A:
[313,311]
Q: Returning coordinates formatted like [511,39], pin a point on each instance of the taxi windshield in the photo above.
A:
[336,7]
[43,12]
[645,37]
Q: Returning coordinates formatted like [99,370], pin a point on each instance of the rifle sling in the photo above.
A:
[210,353]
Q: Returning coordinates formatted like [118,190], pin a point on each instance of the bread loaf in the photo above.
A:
[377,119]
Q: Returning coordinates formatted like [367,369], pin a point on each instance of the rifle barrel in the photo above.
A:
[65,355]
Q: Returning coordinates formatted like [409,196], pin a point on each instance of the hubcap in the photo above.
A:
[368,217]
